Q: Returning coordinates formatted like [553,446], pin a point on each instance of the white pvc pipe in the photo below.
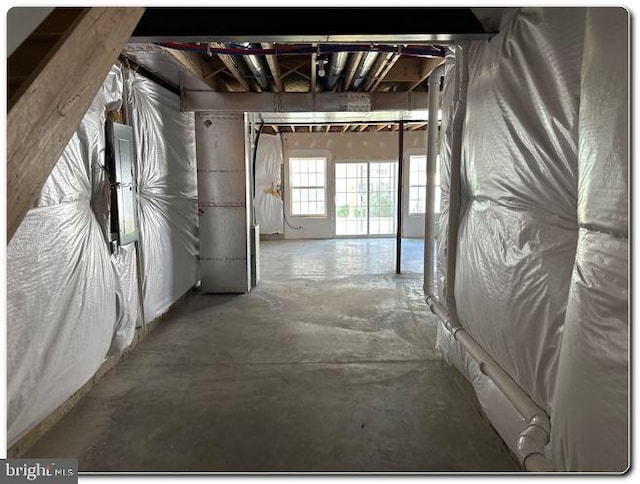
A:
[432,154]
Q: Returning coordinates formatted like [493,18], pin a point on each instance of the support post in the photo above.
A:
[399,201]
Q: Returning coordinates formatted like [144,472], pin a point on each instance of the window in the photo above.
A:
[307,179]
[418,185]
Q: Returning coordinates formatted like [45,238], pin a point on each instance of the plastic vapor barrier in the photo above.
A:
[267,202]
[495,405]
[167,193]
[589,423]
[518,230]
[127,302]
[61,301]
[541,275]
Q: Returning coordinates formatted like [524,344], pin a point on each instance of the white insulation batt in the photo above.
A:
[541,276]
[61,284]
[268,202]
[167,193]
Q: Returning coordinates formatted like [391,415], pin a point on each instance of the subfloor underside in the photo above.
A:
[328,365]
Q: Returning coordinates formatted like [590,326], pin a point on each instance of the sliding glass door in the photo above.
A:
[366,194]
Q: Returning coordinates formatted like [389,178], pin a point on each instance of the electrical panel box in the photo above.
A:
[120,164]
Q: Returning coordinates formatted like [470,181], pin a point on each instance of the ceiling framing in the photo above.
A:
[245,55]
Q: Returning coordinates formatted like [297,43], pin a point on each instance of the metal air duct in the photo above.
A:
[364,68]
[336,65]
[257,67]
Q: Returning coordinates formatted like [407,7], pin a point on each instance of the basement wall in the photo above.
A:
[61,284]
[345,147]
[167,193]
[71,303]
[541,276]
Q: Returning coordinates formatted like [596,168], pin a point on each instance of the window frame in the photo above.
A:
[293,187]
[422,185]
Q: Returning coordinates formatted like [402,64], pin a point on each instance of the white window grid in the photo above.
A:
[307,181]
[418,185]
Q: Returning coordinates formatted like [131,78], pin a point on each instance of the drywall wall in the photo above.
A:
[223,202]
[346,147]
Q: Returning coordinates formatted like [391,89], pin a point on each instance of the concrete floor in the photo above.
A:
[329,365]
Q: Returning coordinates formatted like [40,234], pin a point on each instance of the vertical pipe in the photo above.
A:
[399,200]
[455,189]
[432,154]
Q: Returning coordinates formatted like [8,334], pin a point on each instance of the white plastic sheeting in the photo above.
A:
[167,193]
[495,405]
[61,301]
[267,202]
[518,231]
[589,423]
[127,302]
[541,279]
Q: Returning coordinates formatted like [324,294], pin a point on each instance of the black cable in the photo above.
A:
[255,155]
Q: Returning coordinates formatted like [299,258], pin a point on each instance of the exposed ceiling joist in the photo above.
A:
[195,64]
[274,67]
[381,77]
[314,69]
[232,68]
[352,67]
[428,66]
[377,68]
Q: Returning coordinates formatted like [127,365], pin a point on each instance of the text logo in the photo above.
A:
[49,471]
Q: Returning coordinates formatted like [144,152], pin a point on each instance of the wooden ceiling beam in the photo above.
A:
[354,62]
[314,69]
[274,67]
[196,65]
[376,70]
[428,65]
[47,109]
[390,63]
[231,67]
